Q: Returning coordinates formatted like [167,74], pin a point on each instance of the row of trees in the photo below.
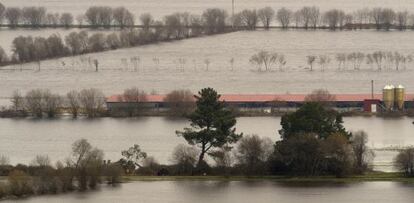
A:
[84,169]
[41,102]
[379,59]
[313,18]
[173,27]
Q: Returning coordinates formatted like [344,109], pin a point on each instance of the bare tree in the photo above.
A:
[310,60]
[377,17]
[123,17]
[34,16]
[113,41]
[17,101]
[73,102]
[77,42]
[321,96]
[92,101]
[378,57]
[180,102]
[52,19]
[249,19]
[341,58]
[362,16]
[13,16]
[52,103]
[305,16]
[34,102]
[80,19]
[41,161]
[323,61]
[253,152]
[314,15]
[4,59]
[214,20]
[146,20]
[405,162]
[134,99]
[334,18]
[185,157]
[363,155]
[402,19]
[388,17]
[264,58]
[284,16]
[4,160]
[266,16]
[66,19]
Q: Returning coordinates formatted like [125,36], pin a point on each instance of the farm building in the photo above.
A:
[271,102]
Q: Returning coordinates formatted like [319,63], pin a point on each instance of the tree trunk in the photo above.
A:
[201,157]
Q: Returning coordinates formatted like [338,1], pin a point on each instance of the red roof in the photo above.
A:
[269,97]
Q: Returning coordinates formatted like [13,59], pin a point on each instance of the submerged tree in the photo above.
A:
[212,125]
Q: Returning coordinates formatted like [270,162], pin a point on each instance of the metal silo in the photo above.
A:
[399,97]
[388,97]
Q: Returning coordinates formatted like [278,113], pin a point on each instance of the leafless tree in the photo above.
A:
[402,19]
[314,15]
[311,60]
[146,20]
[305,16]
[362,16]
[284,16]
[185,156]
[17,101]
[214,20]
[113,41]
[363,155]
[266,16]
[321,96]
[4,59]
[334,18]
[378,57]
[4,160]
[41,161]
[264,58]
[66,19]
[34,16]
[377,17]
[52,19]
[52,103]
[80,19]
[73,103]
[123,17]
[92,101]
[13,16]
[134,98]
[388,18]
[180,102]
[323,61]
[97,42]
[404,161]
[99,16]
[77,42]
[252,152]
[34,102]
[341,58]
[249,19]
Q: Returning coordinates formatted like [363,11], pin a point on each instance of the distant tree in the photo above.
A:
[321,96]
[214,20]
[17,101]
[34,102]
[310,61]
[2,11]
[66,19]
[266,16]
[100,16]
[284,16]
[264,58]
[134,98]
[249,19]
[314,16]
[97,42]
[252,153]
[123,17]
[212,125]
[34,16]
[362,154]
[52,103]
[185,158]
[77,42]
[41,161]
[13,16]
[4,59]
[341,58]
[323,60]
[404,162]
[334,18]
[377,17]
[73,103]
[55,46]
[402,19]
[313,118]
[4,160]
[80,19]
[146,20]
[113,41]
[388,18]
[305,16]
[92,101]
[87,163]
[338,155]
[180,102]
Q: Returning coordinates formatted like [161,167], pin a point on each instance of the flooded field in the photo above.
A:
[169,72]
[22,139]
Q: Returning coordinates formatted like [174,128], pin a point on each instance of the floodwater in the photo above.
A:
[182,65]
[241,191]
[22,139]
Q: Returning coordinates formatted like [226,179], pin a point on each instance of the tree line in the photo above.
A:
[40,103]
[174,27]
[84,169]
[379,60]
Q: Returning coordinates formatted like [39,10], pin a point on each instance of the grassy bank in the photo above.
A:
[371,177]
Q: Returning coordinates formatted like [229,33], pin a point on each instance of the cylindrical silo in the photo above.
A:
[399,97]
[388,97]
